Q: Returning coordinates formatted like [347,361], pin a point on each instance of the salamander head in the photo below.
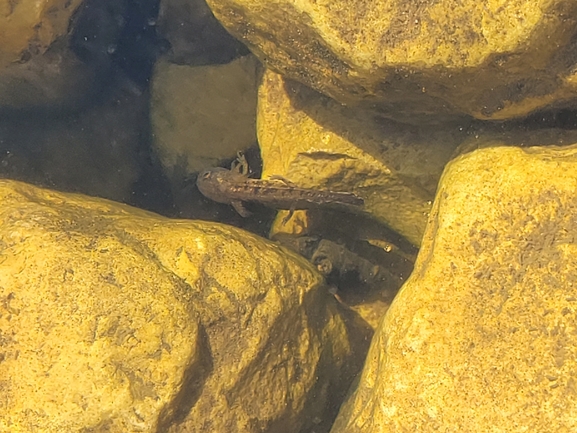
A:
[212,183]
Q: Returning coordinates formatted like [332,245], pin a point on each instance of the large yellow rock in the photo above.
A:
[114,319]
[95,330]
[483,336]
[417,61]
[315,142]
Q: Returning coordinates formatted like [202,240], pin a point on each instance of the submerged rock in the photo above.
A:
[117,319]
[482,337]
[316,142]
[202,115]
[55,55]
[425,61]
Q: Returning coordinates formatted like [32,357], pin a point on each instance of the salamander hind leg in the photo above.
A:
[240,208]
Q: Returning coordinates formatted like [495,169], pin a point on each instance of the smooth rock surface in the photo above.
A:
[115,319]
[204,114]
[483,336]
[417,62]
[96,334]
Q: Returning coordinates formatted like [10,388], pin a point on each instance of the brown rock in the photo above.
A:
[29,25]
[203,114]
[95,151]
[96,334]
[52,55]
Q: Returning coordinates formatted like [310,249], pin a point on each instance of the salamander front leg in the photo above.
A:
[240,164]
[282,179]
[288,216]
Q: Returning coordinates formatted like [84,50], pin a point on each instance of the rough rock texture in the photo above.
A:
[114,319]
[315,142]
[202,115]
[96,333]
[417,61]
[482,337]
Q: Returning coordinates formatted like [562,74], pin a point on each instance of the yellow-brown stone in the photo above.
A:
[482,337]
[417,61]
[115,319]
[315,142]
